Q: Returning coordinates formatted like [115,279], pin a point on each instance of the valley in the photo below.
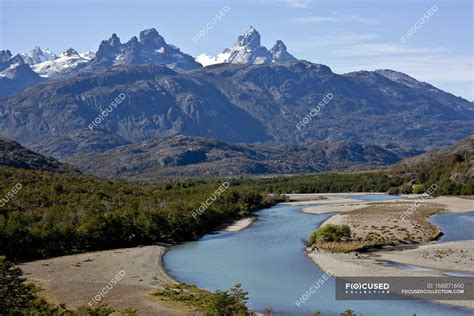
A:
[155,162]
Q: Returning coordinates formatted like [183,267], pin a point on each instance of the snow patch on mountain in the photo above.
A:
[38,55]
[248,50]
[67,62]
[207,60]
[9,63]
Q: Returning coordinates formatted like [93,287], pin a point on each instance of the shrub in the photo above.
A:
[330,233]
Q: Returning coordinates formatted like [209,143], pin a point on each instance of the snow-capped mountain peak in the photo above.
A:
[280,52]
[149,48]
[38,55]
[67,62]
[250,38]
[10,63]
[70,52]
[88,55]
[248,50]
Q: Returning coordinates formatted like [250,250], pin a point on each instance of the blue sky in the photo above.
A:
[345,35]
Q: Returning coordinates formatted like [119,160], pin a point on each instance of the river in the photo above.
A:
[269,260]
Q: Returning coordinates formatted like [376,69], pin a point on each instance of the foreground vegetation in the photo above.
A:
[18,297]
[230,302]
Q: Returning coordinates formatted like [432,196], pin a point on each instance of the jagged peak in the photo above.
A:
[280,52]
[5,55]
[278,46]
[151,37]
[250,38]
[114,40]
[17,59]
[70,52]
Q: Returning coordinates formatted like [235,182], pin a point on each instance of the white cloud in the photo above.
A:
[312,19]
[299,4]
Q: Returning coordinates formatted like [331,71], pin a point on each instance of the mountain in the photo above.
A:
[158,102]
[38,55]
[195,156]
[149,48]
[65,145]
[449,169]
[15,155]
[366,106]
[248,50]
[15,74]
[68,62]
[241,103]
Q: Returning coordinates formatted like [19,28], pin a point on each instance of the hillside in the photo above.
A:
[451,169]
[200,157]
[15,155]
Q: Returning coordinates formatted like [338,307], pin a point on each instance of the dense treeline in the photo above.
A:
[377,181]
[56,214]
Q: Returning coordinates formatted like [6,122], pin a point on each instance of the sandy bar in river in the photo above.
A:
[240,224]
[431,259]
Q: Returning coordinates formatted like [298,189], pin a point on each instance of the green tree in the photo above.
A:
[17,297]
[231,302]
